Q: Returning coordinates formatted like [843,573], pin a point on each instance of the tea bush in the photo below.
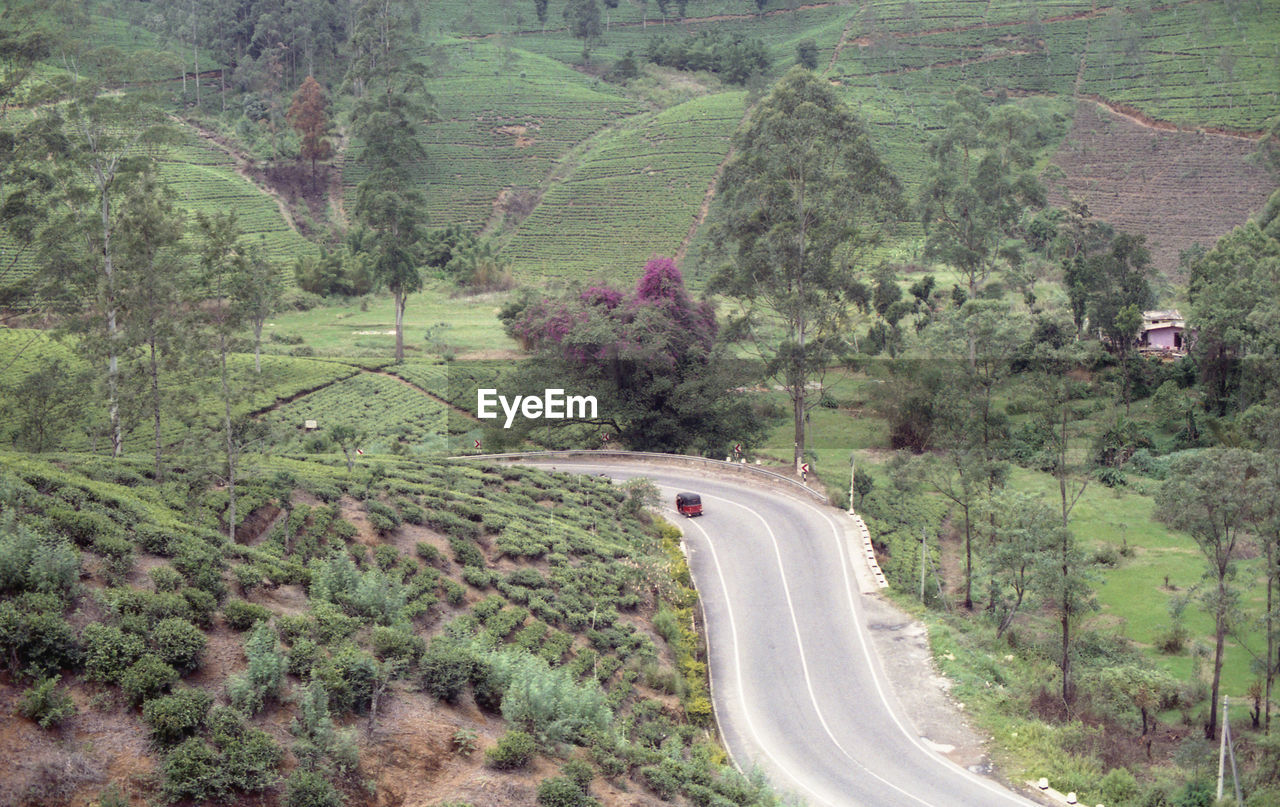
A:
[306,788]
[146,678]
[109,651]
[173,718]
[242,614]
[178,643]
[446,668]
[193,770]
[512,751]
[560,791]
[34,638]
[165,578]
[349,675]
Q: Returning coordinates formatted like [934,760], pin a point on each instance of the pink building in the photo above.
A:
[1162,331]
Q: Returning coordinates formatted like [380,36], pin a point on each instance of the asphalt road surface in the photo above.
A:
[797,686]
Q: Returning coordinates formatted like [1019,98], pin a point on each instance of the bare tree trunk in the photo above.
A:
[399,303]
[1271,636]
[1220,635]
[257,346]
[113,331]
[155,402]
[231,450]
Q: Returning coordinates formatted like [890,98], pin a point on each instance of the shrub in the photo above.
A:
[173,718]
[446,668]
[428,552]
[109,651]
[512,751]
[35,636]
[30,562]
[560,791]
[454,593]
[117,550]
[146,678]
[178,643]
[476,576]
[384,557]
[580,773]
[46,704]
[466,553]
[397,643]
[193,770]
[242,615]
[81,526]
[202,604]
[306,788]
[165,578]
[250,756]
[303,656]
[264,675]
[201,563]
[320,746]
[156,540]
[349,675]
[548,701]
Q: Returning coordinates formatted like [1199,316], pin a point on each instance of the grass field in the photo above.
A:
[435,324]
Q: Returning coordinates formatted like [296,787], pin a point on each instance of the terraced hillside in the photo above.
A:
[1177,188]
[574,196]
[380,628]
[634,194]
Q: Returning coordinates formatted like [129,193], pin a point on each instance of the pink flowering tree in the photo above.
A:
[650,357]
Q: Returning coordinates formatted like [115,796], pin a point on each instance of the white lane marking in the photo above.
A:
[804,664]
[737,663]
[875,677]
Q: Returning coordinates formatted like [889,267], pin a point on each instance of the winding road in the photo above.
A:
[798,688]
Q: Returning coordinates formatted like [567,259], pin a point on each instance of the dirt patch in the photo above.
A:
[101,744]
[924,694]
[1177,188]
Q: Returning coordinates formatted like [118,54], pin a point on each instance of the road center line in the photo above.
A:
[804,664]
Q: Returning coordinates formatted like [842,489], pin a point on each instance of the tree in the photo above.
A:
[1119,280]
[156,283]
[1266,524]
[650,358]
[960,476]
[348,439]
[223,265]
[1127,323]
[804,198]
[540,9]
[390,99]
[1234,291]
[1021,530]
[981,180]
[1064,576]
[1211,495]
[108,139]
[307,115]
[44,404]
[257,292]
[583,19]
